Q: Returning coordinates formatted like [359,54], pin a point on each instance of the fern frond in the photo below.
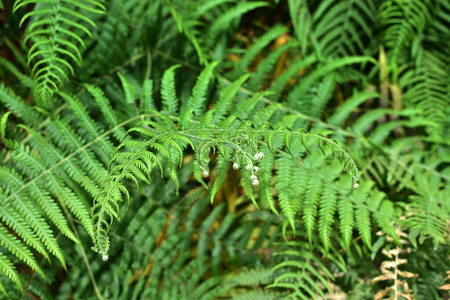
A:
[244,62]
[20,251]
[342,28]
[231,14]
[7,268]
[286,199]
[428,215]
[299,272]
[403,21]
[22,206]
[226,97]
[198,97]
[168,92]
[310,78]
[56,31]
[427,91]
[342,113]
[326,215]
[362,214]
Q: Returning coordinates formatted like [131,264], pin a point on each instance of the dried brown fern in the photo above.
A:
[390,271]
[446,287]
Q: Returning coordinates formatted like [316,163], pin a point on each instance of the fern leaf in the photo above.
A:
[198,97]
[147,102]
[129,90]
[265,67]
[342,28]
[326,215]
[344,110]
[52,155]
[403,21]
[222,167]
[8,241]
[19,107]
[7,268]
[308,80]
[168,93]
[105,148]
[12,219]
[257,47]
[311,202]
[346,219]
[232,13]
[108,112]
[363,223]
[57,187]
[226,97]
[301,20]
[283,186]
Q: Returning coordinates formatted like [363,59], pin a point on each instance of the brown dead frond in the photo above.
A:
[390,271]
[446,287]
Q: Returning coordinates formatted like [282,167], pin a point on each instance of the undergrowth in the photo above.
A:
[224,149]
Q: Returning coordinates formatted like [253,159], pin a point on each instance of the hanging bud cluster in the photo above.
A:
[242,157]
[253,169]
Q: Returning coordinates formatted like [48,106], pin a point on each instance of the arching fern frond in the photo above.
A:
[159,142]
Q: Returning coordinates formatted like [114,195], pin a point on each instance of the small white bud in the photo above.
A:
[356,185]
[253,177]
[205,173]
[255,182]
[259,156]
[105,257]
[248,167]
[256,168]
[236,166]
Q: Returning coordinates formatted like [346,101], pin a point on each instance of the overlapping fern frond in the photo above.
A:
[334,29]
[49,176]
[404,21]
[427,91]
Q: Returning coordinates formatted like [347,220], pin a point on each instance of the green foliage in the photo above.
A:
[248,149]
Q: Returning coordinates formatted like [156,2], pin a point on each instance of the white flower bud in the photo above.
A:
[356,185]
[256,168]
[105,257]
[205,173]
[236,166]
[255,182]
[248,167]
[253,177]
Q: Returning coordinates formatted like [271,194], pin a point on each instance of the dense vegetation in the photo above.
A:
[220,149]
